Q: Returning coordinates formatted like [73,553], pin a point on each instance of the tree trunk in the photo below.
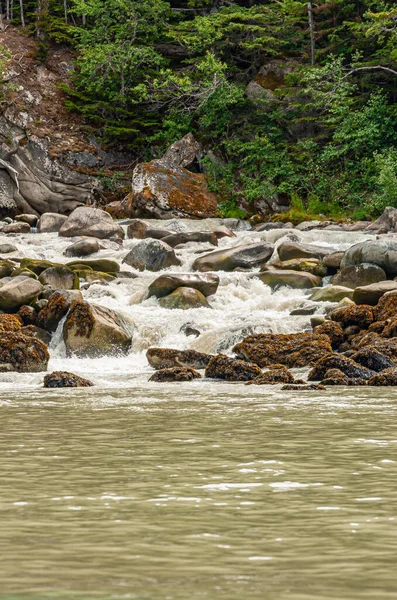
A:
[22,13]
[311,31]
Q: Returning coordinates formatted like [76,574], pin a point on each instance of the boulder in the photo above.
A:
[387,221]
[28,315]
[31,220]
[222,231]
[331,293]
[381,252]
[291,350]
[334,331]
[362,316]
[204,237]
[371,294]
[336,361]
[355,276]
[90,222]
[10,322]
[184,298]
[56,308]
[273,377]
[189,329]
[276,278]
[372,359]
[25,354]
[333,260]
[16,228]
[36,332]
[206,283]
[61,379]
[388,377]
[25,272]
[386,307]
[61,278]
[91,331]
[37,266]
[311,265]
[7,248]
[6,268]
[104,265]
[17,292]
[164,358]
[175,374]
[246,256]
[83,248]
[50,222]
[136,229]
[231,369]
[337,377]
[151,255]
[163,189]
[288,250]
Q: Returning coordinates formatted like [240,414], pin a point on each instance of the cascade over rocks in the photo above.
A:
[61,379]
[246,256]
[206,283]
[175,374]
[91,222]
[151,255]
[24,353]
[231,369]
[91,331]
[291,350]
[164,358]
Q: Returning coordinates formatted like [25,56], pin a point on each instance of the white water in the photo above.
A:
[242,304]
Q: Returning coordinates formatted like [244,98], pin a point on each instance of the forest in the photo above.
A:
[290,99]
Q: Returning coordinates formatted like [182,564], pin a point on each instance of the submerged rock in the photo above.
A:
[61,379]
[304,388]
[175,374]
[7,249]
[91,222]
[17,292]
[25,354]
[246,256]
[336,361]
[184,298]
[92,331]
[231,369]
[206,283]
[151,255]
[164,358]
[291,350]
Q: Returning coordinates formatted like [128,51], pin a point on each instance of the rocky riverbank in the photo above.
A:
[348,298]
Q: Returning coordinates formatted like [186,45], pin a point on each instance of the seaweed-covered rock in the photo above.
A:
[245,256]
[36,332]
[164,358]
[363,274]
[56,308]
[17,292]
[274,376]
[362,316]
[91,331]
[335,361]
[175,374]
[371,294]
[384,346]
[28,315]
[334,331]
[25,354]
[388,377]
[61,278]
[372,359]
[303,388]
[61,379]
[151,255]
[294,279]
[184,298]
[386,307]
[291,350]
[231,369]
[10,322]
[206,283]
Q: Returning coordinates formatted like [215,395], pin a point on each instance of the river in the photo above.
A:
[199,490]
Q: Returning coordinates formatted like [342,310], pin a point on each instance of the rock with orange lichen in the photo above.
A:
[164,358]
[274,376]
[61,379]
[386,307]
[231,369]
[334,331]
[351,369]
[10,322]
[175,374]
[291,350]
[58,305]
[362,316]
[25,354]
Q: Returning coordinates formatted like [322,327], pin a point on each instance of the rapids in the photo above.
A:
[241,306]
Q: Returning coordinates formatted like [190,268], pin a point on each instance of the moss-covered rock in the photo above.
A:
[25,354]
[91,276]
[386,307]
[6,268]
[384,378]
[310,265]
[19,271]
[311,387]
[331,293]
[273,377]
[175,374]
[36,332]
[104,265]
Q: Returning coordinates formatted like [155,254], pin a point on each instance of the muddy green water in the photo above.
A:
[203,491]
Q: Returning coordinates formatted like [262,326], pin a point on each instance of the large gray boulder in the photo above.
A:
[60,277]
[289,249]
[381,252]
[387,220]
[206,283]
[246,256]
[50,222]
[91,222]
[358,275]
[371,294]
[91,331]
[151,255]
[18,291]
